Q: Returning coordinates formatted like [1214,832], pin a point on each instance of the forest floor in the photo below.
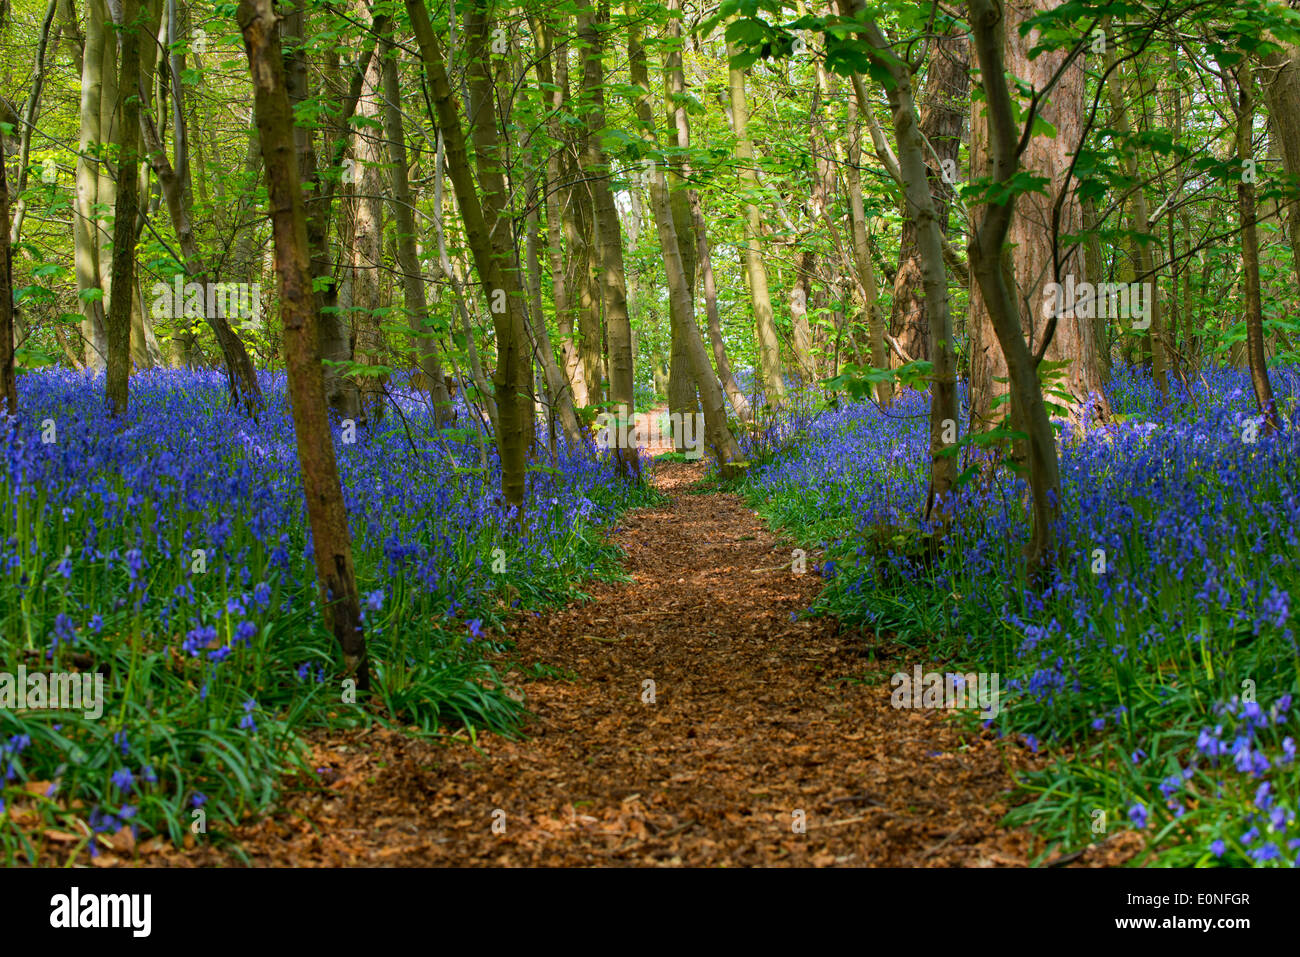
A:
[755,716]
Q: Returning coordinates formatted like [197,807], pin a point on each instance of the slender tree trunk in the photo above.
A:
[30,111]
[86,219]
[769,347]
[365,246]
[417,307]
[122,289]
[996,276]
[862,258]
[241,374]
[1141,225]
[1244,104]
[921,209]
[70,31]
[8,382]
[680,300]
[1094,268]
[945,103]
[675,90]
[1033,260]
[801,331]
[335,342]
[514,382]
[559,205]
[609,236]
[558,388]
[490,243]
[331,542]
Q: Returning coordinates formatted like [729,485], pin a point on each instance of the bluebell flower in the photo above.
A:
[123,780]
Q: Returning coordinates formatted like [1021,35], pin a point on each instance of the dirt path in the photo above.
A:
[754,717]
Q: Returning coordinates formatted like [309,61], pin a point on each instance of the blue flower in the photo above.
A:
[1138,815]
[1265,852]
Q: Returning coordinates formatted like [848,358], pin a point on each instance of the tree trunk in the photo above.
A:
[993,33]
[769,347]
[30,111]
[1244,104]
[365,247]
[945,104]
[702,259]
[122,289]
[920,206]
[559,206]
[801,331]
[241,374]
[331,542]
[866,273]
[489,239]
[86,222]
[558,388]
[417,307]
[335,346]
[680,301]
[1094,267]
[609,236]
[8,382]
[1032,264]
[1282,94]
[1141,224]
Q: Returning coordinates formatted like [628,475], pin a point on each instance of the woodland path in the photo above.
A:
[755,716]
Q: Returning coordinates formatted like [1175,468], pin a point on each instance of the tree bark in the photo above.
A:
[8,381]
[609,236]
[1282,94]
[769,347]
[364,249]
[417,306]
[559,206]
[995,275]
[86,220]
[945,102]
[490,243]
[680,301]
[122,289]
[331,541]
[1033,263]
[921,209]
[1141,225]
[242,376]
[675,92]
[1244,105]
[866,273]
